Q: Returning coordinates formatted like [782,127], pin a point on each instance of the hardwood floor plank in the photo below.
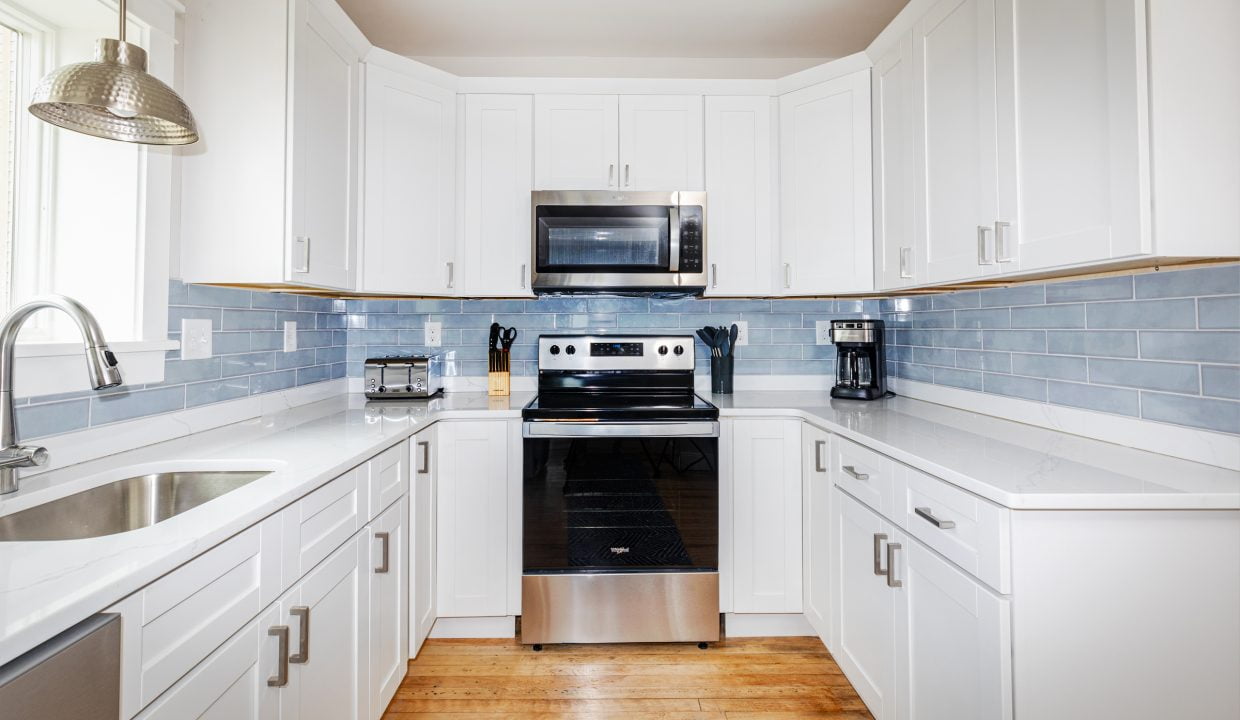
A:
[485,707]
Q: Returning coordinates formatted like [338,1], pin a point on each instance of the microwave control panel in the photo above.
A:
[691,260]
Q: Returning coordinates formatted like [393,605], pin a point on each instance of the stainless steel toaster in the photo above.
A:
[395,378]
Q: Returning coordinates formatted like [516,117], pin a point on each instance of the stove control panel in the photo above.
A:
[598,353]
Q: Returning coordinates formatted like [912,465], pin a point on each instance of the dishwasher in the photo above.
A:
[76,674]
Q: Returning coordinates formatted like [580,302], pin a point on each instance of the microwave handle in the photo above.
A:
[673,228]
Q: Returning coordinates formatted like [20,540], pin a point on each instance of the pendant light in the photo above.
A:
[114,97]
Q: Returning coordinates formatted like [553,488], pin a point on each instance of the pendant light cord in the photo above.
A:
[123,14]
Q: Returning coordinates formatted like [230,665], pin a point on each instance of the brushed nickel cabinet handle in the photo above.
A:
[983,245]
[714,275]
[906,262]
[626,174]
[386,539]
[280,679]
[304,242]
[1003,253]
[787,275]
[426,457]
[924,513]
[303,640]
[851,470]
[450,279]
[819,463]
[891,566]
[611,174]
[521,277]
[878,553]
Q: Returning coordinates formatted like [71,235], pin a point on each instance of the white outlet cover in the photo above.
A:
[195,338]
[290,336]
[742,332]
[822,332]
[434,334]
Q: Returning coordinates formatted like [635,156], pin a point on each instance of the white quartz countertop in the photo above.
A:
[46,587]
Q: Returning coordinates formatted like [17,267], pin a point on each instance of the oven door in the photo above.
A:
[621,498]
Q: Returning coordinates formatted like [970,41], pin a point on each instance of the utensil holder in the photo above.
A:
[721,375]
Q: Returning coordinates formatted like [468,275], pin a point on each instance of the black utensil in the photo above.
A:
[732,338]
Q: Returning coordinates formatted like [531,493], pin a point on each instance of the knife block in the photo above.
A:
[499,378]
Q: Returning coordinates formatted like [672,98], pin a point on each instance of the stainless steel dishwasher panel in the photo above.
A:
[76,674]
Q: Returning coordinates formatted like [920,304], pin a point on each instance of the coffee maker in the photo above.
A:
[860,363]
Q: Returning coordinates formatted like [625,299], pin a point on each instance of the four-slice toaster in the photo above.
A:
[393,378]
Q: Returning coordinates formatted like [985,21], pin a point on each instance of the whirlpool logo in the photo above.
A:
[619,550]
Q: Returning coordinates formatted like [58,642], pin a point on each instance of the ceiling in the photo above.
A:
[697,37]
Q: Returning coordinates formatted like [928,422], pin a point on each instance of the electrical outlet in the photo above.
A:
[822,332]
[742,332]
[434,334]
[290,336]
[195,338]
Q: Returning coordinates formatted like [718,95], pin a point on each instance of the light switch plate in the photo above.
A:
[822,332]
[290,336]
[742,332]
[195,338]
[434,334]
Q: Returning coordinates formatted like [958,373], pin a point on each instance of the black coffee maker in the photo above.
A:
[860,363]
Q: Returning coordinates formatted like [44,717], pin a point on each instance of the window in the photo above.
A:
[10,69]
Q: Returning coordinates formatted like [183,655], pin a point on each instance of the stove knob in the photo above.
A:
[408,388]
[662,349]
[680,350]
[555,349]
[570,350]
[382,389]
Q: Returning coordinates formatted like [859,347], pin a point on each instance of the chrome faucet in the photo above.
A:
[100,362]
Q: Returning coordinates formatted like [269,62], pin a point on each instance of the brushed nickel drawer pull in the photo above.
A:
[281,676]
[891,566]
[878,554]
[386,539]
[852,470]
[924,513]
[819,464]
[303,640]
[426,457]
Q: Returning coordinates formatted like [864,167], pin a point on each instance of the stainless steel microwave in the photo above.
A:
[607,240]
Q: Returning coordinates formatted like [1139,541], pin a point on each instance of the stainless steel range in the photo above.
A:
[621,494]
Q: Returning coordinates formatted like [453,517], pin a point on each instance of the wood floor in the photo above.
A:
[747,678]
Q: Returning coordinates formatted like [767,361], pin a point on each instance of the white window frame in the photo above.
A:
[47,368]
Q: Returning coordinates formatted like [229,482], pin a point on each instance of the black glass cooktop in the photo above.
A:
[619,406]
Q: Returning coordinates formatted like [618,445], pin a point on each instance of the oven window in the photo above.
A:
[624,239]
[621,505]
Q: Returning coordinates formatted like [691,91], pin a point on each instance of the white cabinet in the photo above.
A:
[740,169]
[422,514]
[895,256]
[631,142]
[409,203]
[576,142]
[498,175]
[817,543]
[473,523]
[864,606]
[269,196]
[661,142]
[389,603]
[954,651]
[766,497]
[826,220]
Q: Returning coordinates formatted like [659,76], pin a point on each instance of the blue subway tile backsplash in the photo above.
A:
[1161,346]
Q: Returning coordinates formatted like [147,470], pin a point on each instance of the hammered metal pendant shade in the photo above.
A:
[114,97]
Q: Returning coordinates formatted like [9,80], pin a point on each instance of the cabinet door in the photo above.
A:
[323,147]
[389,604]
[1080,174]
[498,176]
[661,142]
[955,141]
[863,604]
[895,259]
[816,493]
[422,538]
[409,206]
[327,617]
[576,141]
[231,683]
[826,221]
[766,466]
[739,170]
[954,656]
[472,553]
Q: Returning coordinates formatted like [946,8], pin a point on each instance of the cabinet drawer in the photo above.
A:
[388,475]
[323,521]
[865,474]
[188,613]
[971,532]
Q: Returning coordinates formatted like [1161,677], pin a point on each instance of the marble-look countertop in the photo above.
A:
[46,587]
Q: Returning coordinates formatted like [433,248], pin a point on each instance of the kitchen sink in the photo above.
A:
[122,505]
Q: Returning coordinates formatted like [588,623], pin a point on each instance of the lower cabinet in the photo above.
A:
[388,573]
[816,535]
[422,511]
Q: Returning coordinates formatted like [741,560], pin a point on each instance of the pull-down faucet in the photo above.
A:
[100,362]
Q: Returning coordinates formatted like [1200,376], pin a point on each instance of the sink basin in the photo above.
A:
[122,505]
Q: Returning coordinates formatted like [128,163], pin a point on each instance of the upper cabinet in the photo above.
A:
[740,185]
[826,222]
[627,142]
[497,175]
[409,203]
[895,260]
[269,195]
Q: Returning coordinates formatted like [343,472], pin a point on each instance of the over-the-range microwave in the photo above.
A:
[607,240]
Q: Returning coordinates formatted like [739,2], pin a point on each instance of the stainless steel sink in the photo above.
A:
[123,505]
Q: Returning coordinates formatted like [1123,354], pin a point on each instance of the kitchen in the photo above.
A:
[790,359]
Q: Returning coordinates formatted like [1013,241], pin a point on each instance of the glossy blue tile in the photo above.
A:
[247,364]
[956,300]
[382,306]
[735,306]
[796,336]
[271,382]
[177,313]
[804,306]
[1049,316]
[617,305]
[768,320]
[266,341]
[1221,381]
[36,421]
[221,297]
[1140,314]
[395,321]
[494,306]
[1016,340]
[742,366]
[989,318]
[1010,296]
[1145,374]
[330,321]
[216,391]
[802,367]
[1014,386]
[295,359]
[1219,313]
[921,373]
[1116,401]
[315,338]
[561,305]
[527,324]
[1059,367]
[1107,288]
[446,307]
[329,355]
[966,339]
[459,321]
[1220,280]
[905,304]
[317,373]
[304,320]
[316,304]
[1100,343]
[769,352]
[227,343]
[1214,346]
[967,379]
[179,372]
[119,406]
[1206,413]
[274,301]
[248,320]
[1000,362]
[933,319]
[178,292]
[934,356]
